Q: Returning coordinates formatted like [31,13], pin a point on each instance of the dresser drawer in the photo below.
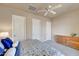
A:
[68,41]
[73,44]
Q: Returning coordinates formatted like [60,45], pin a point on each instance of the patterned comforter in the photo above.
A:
[38,48]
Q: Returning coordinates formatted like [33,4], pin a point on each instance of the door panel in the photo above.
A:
[18,27]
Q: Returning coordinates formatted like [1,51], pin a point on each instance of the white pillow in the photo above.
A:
[15,43]
[1,45]
[10,52]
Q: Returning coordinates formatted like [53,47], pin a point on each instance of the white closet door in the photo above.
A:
[18,27]
[36,29]
[48,30]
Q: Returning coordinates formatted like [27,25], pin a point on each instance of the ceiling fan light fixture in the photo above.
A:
[50,6]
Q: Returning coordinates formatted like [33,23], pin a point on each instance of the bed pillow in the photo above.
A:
[1,51]
[9,40]
[1,45]
[7,43]
[10,52]
[15,44]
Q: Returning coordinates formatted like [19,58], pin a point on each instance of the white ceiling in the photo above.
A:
[67,7]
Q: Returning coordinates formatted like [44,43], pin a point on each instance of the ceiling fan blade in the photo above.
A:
[41,11]
[52,12]
[57,6]
[45,13]
[32,8]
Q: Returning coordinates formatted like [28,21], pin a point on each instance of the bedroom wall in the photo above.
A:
[66,24]
[6,20]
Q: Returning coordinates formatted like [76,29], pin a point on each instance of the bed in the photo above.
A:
[47,48]
[37,48]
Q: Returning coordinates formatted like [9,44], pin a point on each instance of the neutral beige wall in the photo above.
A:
[6,19]
[66,24]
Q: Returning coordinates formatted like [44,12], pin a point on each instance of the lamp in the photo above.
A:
[4,34]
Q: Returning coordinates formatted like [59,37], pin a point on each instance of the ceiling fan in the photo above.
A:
[50,9]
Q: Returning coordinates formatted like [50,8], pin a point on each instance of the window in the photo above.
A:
[36,29]
[41,29]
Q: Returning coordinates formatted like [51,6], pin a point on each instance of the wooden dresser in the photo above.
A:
[68,41]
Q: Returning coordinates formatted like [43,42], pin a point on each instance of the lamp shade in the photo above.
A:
[4,34]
